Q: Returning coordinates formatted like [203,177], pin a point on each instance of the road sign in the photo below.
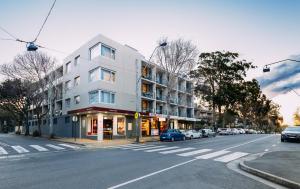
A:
[136,115]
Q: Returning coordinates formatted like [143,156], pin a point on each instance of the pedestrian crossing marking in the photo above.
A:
[231,157]
[176,150]
[20,149]
[55,147]
[147,148]
[161,149]
[194,152]
[70,146]
[3,151]
[39,148]
[212,155]
[133,146]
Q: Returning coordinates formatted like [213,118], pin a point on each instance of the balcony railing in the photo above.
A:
[161,98]
[161,81]
[182,103]
[147,94]
[174,113]
[149,77]
[147,110]
[189,90]
[173,100]
[159,111]
[182,114]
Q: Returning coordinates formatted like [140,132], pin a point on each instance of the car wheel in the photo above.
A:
[282,140]
[172,139]
[191,137]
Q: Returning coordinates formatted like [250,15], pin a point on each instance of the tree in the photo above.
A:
[36,69]
[217,77]
[176,59]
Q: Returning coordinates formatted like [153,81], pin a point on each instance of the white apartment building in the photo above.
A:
[98,84]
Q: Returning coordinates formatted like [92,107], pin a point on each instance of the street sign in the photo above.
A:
[136,115]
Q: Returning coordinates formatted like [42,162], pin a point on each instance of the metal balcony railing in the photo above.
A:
[147,110]
[147,94]
[159,111]
[148,76]
[161,98]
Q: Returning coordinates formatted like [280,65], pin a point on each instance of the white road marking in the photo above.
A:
[273,145]
[148,148]
[69,146]
[176,150]
[212,155]
[2,151]
[55,147]
[231,157]
[39,148]
[151,174]
[132,146]
[3,144]
[194,152]
[20,149]
[162,149]
[266,150]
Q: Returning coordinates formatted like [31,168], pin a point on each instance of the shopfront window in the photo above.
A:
[121,126]
[145,127]
[93,127]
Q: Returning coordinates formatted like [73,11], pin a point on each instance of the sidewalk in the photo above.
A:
[281,167]
[105,143]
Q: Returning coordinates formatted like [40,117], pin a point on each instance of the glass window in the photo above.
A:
[108,52]
[76,61]
[68,102]
[107,75]
[94,97]
[93,75]
[68,85]
[107,97]
[94,51]
[68,67]
[77,99]
[121,126]
[76,81]
[67,119]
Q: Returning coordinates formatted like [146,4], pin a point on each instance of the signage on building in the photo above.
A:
[136,115]
[161,119]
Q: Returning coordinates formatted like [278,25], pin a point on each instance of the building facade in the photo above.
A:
[105,83]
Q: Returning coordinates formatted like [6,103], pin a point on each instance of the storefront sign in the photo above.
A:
[162,119]
[129,126]
[154,132]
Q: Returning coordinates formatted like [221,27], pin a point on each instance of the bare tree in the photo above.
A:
[37,70]
[177,59]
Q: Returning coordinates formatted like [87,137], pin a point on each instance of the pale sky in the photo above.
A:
[262,31]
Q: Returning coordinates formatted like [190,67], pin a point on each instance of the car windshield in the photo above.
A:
[292,129]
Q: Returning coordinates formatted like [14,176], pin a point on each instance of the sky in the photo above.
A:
[262,31]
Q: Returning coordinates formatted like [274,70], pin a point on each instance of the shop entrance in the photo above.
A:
[107,127]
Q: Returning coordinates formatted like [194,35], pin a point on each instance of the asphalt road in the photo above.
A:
[199,163]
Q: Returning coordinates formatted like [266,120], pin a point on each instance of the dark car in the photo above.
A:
[208,133]
[171,135]
[290,133]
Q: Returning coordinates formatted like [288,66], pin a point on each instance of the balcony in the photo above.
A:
[147,76]
[147,94]
[160,98]
[181,103]
[174,113]
[147,110]
[160,111]
[188,90]
[173,100]
[161,81]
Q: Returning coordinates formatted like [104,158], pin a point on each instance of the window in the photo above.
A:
[94,97]
[108,52]
[94,51]
[68,102]
[76,61]
[67,119]
[77,99]
[68,85]
[107,97]
[76,81]
[107,75]
[55,121]
[121,126]
[68,67]
[93,75]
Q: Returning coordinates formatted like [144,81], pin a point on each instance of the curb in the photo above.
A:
[270,177]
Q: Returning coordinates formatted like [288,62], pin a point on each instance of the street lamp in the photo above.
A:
[267,66]
[138,79]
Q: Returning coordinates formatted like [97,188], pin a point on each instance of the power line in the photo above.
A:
[11,35]
[45,21]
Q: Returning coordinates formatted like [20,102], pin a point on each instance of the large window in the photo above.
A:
[107,97]
[108,52]
[121,126]
[94,51]
[94,97]
[68,85]
[68,67]
[77,99]
[68,102]
[94,75]
[76,81]
[76,60]
[107,75]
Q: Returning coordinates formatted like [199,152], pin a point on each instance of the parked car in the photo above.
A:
[192,134]
[171,135]
[241,131]
[290,133]
[234,131]
[208,133]
[225,131]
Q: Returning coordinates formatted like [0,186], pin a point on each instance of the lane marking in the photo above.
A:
[148,148]
[161,149]
[266,150]
[176,150]
[132,146]
[39,148]
[212,155]
[55,147]
[194,152]
[69,146]
[231,157]
[2,151]
[273,145]
[3,144]
[151,174]
[20,149]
